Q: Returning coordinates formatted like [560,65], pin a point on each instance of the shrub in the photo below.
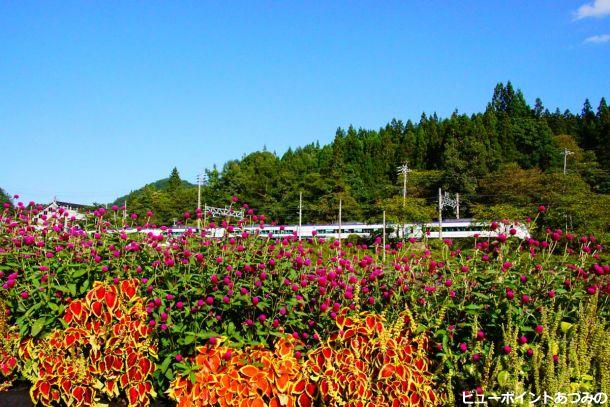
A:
[105,351]
[252,376]
[9,345]
[366,363]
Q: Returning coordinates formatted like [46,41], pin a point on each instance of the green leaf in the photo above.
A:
[78,273]
[84,287]
[37,326]
[503,378]
[166,362]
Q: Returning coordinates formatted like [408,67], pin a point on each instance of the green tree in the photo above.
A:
[174,180]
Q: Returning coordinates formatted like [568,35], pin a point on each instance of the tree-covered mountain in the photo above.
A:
[4,197]
[501,161]
[163,184]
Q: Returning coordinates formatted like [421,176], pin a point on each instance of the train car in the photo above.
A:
[451,229]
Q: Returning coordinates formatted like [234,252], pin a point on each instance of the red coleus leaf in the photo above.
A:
[111,299]
[79,394]
[100,292]
[45,389]
[128,288]
[133,395]
[305,400]
[66,385]
[132,359]
[145,366]
[299,387]
[76,307]
[96,307]
[134,374]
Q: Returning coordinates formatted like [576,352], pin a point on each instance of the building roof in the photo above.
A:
[70,204]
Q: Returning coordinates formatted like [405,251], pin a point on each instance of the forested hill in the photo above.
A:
[501,161]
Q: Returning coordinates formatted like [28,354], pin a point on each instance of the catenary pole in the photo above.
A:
[340,202]
[300,213]
[440,215]
[384,236]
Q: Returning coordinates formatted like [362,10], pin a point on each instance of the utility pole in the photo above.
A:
[566,153]
[300,213]
[457,205]
[340,221]
[384,236]
[440,214]
[404,170]
[199,182]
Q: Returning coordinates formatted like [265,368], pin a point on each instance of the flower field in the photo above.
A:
[246,320]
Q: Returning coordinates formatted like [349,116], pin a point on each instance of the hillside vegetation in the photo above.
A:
[506,158]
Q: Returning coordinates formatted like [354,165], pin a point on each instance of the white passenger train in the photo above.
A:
[451,229]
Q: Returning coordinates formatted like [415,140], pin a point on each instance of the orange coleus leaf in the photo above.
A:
[282,382]
[284,348]
[256,402]
[387,371]
[249,371]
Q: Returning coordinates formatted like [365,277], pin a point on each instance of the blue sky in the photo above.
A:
[99,98]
